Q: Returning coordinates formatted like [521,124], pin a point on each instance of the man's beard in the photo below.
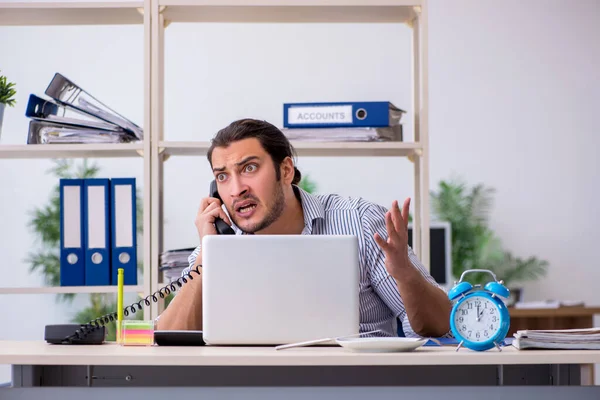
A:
[274,213]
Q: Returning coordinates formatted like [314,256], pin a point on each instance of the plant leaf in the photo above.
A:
[7,92]
[307,184]
[479,204]
[474,244]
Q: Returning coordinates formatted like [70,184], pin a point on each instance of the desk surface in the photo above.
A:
[41,353]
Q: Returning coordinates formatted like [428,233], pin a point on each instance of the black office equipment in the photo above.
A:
[178,338]
[440,251]
[56,334]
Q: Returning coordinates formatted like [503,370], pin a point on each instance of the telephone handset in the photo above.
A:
[93,331]
[220,225]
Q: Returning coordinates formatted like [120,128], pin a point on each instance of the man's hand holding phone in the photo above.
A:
[185,310]
[210,209]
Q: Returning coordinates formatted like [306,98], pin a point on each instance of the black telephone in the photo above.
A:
[93,332]
[220,225]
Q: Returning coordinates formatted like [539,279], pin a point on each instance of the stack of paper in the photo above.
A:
[572,339]
[173,262]
[391,133]
[548,304]
[72,115]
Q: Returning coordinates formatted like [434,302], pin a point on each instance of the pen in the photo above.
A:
[119,303]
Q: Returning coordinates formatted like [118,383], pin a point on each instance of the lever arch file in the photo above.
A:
[124,232]
[42,109]
[97,225]
[372,114]
[72,233]
[67,92]
[42,132]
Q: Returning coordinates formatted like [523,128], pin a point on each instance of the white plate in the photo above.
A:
[381,344]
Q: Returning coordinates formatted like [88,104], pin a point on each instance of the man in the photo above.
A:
[256,178]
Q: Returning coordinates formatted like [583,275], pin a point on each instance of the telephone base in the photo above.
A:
[56,334]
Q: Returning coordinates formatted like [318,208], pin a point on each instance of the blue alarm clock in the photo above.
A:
[479,318]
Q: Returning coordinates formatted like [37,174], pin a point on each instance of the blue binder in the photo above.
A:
[72,233]
[97,228]
[124,229]
[374,114]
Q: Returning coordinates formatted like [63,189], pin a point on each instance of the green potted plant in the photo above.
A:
[474,244]
[7,94]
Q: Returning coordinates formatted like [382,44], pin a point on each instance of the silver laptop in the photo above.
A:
[278,289]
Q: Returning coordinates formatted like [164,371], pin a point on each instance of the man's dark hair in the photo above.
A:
[275,143]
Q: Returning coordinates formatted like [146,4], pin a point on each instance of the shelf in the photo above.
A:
[309,149]
[25,151]
[71,13]
[330,11]
[70,289]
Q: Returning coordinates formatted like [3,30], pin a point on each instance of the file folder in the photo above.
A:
[41,109]
[124,229]
[97,228]
[374,114]
[67,92]
[47,132]
[72,233]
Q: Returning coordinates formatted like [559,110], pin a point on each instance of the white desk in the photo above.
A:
[36,363]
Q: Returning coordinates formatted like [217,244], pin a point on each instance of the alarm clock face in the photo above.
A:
[477,319]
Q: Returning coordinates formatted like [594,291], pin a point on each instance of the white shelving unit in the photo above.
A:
[88,13]
[156,15]
[412,12]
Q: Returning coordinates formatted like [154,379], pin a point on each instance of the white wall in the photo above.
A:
[514,95]
[513,91]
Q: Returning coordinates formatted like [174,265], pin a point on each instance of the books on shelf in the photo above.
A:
[343,121]
[72,115]
[566,339]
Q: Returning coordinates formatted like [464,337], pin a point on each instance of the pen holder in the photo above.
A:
[137,333]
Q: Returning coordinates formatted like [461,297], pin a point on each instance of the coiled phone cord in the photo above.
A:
[99,322]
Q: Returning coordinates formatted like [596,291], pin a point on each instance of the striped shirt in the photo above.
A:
[381,304]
